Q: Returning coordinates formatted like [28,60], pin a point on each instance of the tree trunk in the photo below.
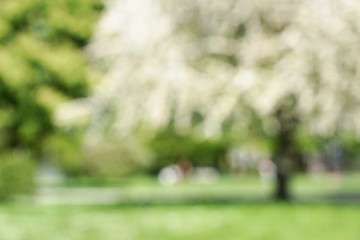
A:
[283,172]
[285,147]
[282,189]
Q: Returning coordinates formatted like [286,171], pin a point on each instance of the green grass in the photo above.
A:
[145,189]
[224,210]
[193,222]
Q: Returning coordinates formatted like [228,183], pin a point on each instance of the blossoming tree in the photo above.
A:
[292,64]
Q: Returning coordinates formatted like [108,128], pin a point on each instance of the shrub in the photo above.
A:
[16,175]
[65,151]
[169,147]
[116,159]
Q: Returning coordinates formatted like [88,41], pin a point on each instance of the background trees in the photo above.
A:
[42,64]
[281,69]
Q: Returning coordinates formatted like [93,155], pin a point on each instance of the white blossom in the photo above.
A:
[170,58]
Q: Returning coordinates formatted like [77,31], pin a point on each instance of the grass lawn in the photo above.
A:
[228,189]
[198,222]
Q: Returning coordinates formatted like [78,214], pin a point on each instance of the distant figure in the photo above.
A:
[185,166]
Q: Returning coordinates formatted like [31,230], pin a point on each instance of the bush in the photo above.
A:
[17,174]
[65,151]
[169,147]
[116,159]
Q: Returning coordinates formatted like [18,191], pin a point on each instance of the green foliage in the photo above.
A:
[115,159]
[308,144]
[65,151]
[41,65]
[170,146]
[351,145]
[16,175]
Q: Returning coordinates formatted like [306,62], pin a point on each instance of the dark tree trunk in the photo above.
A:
[284,169]
[282,189]
[285,147]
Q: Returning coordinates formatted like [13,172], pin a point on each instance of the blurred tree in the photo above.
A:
[114,160]
[170,147]
[41,65]
[283,69]
[16,175]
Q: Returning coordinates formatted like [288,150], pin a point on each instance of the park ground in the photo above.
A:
[230,209]
[193,222]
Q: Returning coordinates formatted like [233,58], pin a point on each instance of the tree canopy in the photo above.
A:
[224,63]
[42,64]
[283,68]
